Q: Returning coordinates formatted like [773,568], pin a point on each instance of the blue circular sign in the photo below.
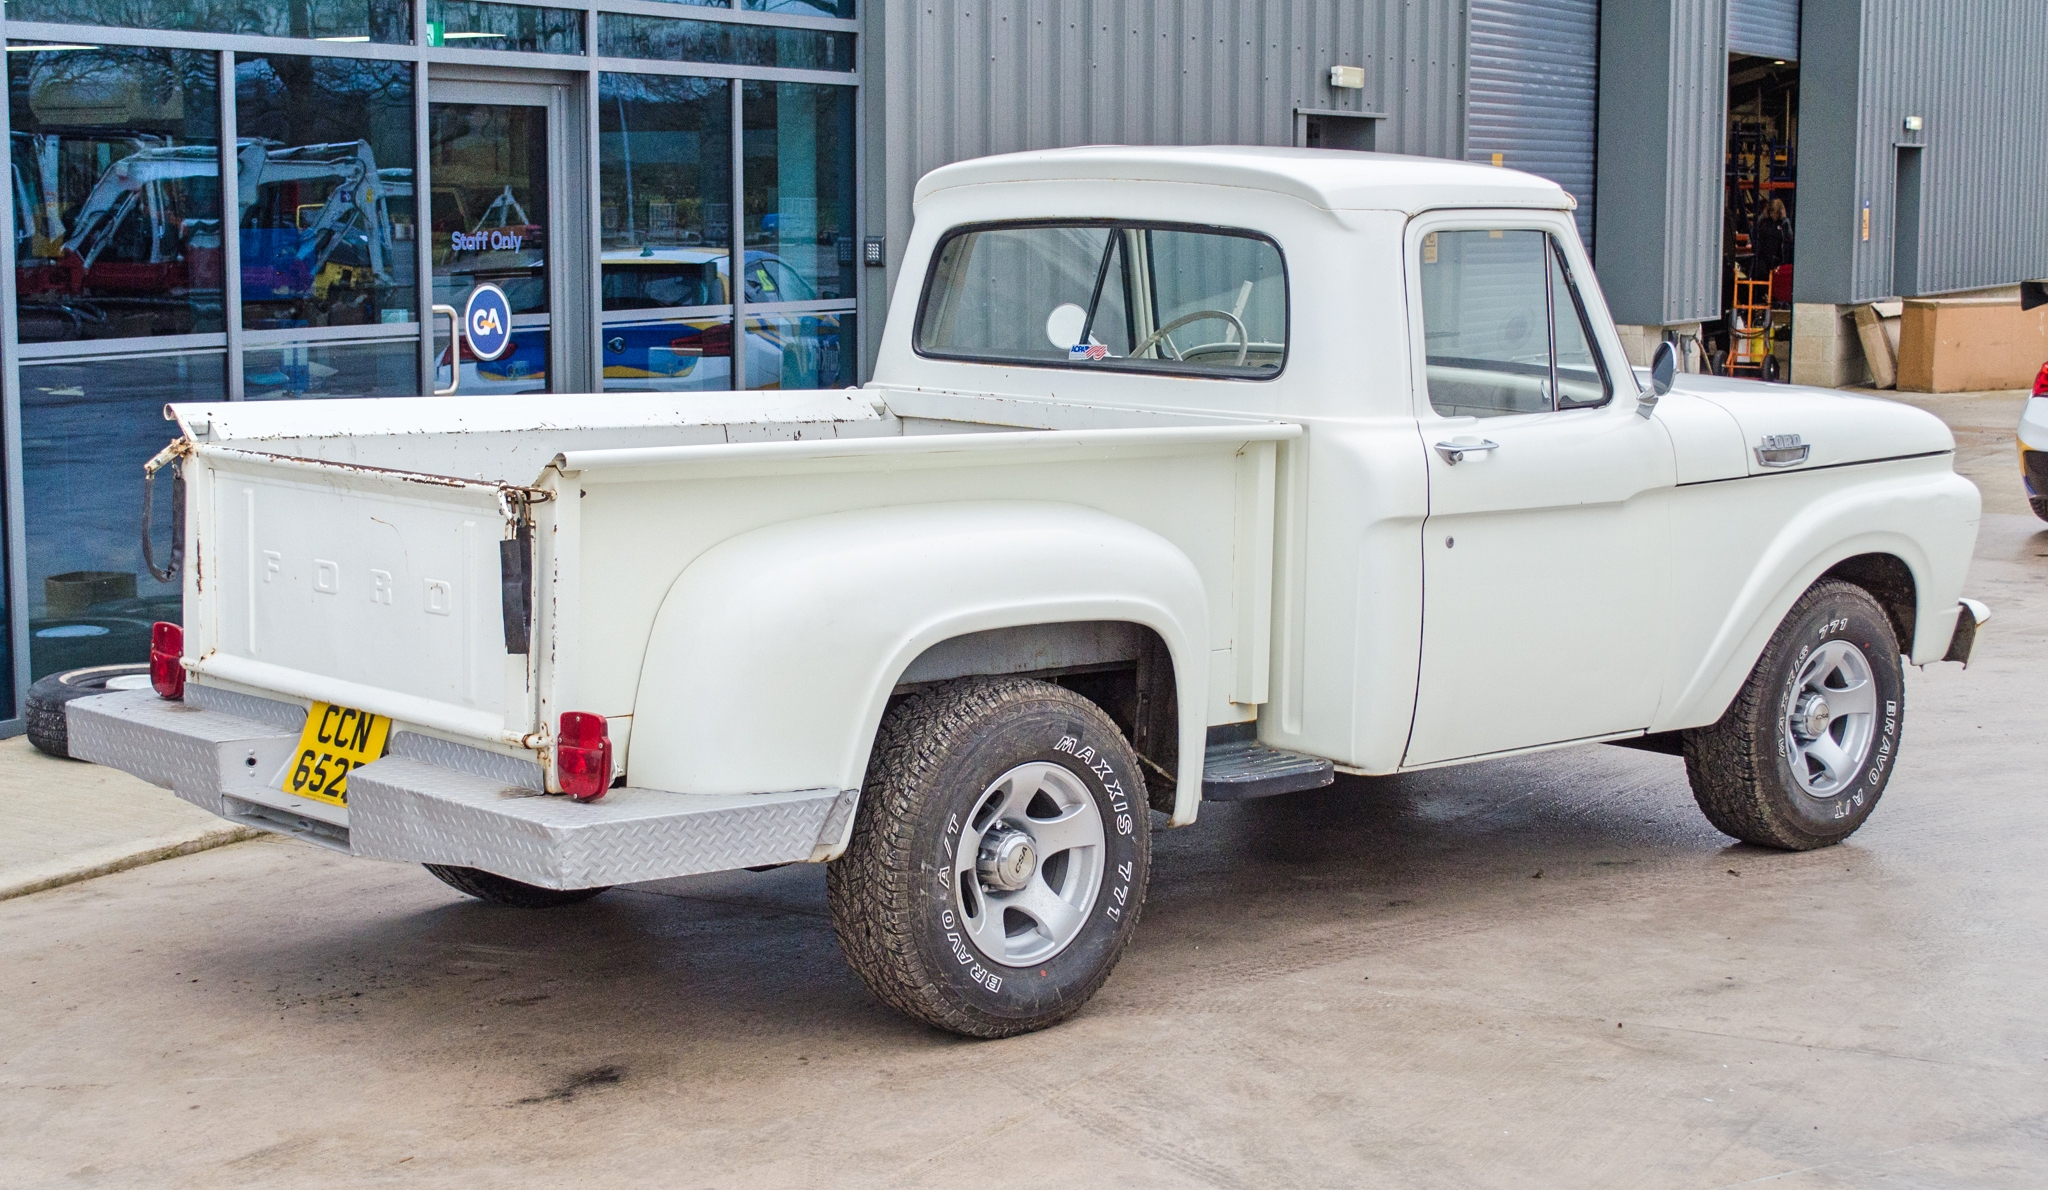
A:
[487,322]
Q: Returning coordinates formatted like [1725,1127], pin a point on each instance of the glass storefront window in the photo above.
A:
[478,25]
[665,196]
[87,426]
[674,40]
[386,21]
[488,165]
[324,165]
[800,350]
[116,186]
[799,191]
[842,9]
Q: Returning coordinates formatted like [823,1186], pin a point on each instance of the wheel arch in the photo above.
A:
[1907,542]
[775,653]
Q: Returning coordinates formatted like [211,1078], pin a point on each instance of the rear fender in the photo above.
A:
[775,652]
[1927,522]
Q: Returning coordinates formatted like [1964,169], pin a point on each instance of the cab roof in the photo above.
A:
[1333,179]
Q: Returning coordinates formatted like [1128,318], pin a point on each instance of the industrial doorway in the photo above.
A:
[1760,216]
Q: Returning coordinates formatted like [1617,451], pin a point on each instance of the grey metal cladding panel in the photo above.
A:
[965,81]
[1699,142]
[1766,28]
[1534,91]
[1972,69]
[403,809]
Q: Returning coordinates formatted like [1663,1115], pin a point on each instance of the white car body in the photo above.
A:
[739,581]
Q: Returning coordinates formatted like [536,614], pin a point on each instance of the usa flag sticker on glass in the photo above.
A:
[1086,351]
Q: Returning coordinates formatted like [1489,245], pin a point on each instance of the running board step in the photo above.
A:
[1235,770]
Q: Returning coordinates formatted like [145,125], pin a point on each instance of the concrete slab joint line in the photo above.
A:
[105,861]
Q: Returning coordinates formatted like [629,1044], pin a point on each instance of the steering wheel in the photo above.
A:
[1244,340]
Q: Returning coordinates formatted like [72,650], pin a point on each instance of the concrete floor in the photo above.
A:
[1539,972]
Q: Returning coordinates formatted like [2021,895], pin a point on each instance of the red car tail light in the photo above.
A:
[583,755]
[2041,382]
[710,342]
[166,659]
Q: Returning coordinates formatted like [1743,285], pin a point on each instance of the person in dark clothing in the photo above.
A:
[1770,239]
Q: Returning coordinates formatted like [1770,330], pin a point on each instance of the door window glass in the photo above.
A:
[490,211]
[1581,380]
[665,192]
[1503,328]
[1132,297]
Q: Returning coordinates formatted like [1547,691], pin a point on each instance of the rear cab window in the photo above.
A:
[1126,296]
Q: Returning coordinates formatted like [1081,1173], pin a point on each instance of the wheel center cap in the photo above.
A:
[1813,717]
[1006,860]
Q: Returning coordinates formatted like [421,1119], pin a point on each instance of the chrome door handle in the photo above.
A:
[1453,452]
[454,346]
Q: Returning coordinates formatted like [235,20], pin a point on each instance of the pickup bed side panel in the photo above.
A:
[1751,547]
[772,659]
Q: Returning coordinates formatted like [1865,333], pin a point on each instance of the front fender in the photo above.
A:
[1928,521]
[774,654]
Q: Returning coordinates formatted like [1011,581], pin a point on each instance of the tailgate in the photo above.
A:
[372,589]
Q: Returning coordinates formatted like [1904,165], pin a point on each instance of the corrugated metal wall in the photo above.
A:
[1976,71]
[964,80]
[1766,28]
[1534,91]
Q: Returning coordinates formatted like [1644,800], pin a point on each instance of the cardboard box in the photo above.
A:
[1971,343]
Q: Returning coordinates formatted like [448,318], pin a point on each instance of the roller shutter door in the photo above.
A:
[1766,28]
[1535,91]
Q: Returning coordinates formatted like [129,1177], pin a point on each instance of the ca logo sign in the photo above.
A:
[488,321]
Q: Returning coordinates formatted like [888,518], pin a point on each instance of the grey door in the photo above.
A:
[1534,91]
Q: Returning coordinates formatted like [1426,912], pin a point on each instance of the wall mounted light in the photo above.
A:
[1913,123]
[1348,77]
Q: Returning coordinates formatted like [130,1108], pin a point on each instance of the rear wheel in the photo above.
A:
[43,708]
[503,890]
[1800,758]
[998,859]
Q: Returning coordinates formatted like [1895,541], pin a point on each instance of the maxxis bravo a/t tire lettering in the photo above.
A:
[1742,768]
[494,889]
[939,781]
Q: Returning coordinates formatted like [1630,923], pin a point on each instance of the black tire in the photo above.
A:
[43,708]
[503,890]
[895,903]
[1741,767]
[2040,506]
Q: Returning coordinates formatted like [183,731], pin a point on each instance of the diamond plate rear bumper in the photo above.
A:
[431,801]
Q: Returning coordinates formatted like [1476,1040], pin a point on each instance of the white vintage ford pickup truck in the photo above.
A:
[1185,475]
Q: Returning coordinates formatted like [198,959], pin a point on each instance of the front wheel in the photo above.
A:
[999,857]
[1800,758]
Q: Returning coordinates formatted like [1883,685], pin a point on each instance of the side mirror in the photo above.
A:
[1663,371]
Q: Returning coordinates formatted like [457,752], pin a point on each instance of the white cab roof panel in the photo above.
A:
[1329,178]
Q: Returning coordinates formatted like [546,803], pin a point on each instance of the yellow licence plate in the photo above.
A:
[335,741]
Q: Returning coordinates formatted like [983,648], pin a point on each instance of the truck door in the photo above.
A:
[1544,551]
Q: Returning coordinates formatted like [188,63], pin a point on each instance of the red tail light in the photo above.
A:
[711,342]
[166,659]
[2041,382]
[583,755]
